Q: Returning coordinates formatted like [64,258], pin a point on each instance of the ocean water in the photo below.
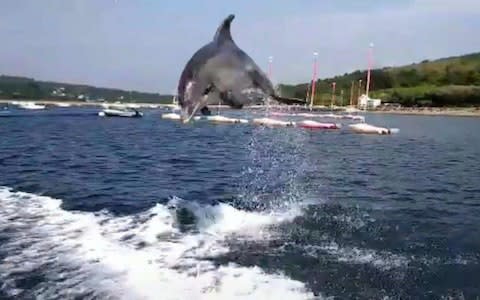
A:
[113,208]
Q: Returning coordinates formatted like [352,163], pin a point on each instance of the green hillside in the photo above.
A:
[13,87]
[453,81]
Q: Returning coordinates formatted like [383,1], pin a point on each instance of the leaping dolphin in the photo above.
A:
[220,70]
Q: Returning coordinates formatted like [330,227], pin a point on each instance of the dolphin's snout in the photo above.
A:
[186,113]
[189,109]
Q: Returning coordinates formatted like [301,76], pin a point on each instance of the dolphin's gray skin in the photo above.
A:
[220,70]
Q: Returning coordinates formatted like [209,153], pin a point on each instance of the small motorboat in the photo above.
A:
[371,129]
[62,104]
[117,112]
[273,122]
[30,105]
[309,124]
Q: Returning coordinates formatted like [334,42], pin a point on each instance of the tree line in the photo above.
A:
[13,87]
[451,81]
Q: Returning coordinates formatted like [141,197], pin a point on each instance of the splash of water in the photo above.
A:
[49,252]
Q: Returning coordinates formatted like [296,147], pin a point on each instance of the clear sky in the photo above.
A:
[144,44]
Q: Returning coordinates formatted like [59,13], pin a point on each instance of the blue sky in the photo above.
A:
[144,44]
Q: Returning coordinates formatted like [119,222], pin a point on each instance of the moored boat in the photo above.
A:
[309,124]
[273,122]
[30,105]
[222,119]
[125,112]
[371,129]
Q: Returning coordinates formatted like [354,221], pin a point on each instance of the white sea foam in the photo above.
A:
[353,255]
[142,256]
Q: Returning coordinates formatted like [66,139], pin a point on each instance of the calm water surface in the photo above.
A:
[112,208]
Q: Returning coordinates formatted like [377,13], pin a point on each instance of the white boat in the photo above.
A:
[62,104]
[355,118]
[371,129]
[222,119]
[352,109]
[273,122]
[365,102]
[310,124]
[127,112]
[30,105]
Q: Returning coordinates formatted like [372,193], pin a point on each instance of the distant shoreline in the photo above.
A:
[426,111]
[434,111]
[83,103]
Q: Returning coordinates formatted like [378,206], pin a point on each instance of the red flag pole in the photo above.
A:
[370,63]
[314,79]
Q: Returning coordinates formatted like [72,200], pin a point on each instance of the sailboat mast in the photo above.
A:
[370,62]
[351,93]
[270,61]
[314,79]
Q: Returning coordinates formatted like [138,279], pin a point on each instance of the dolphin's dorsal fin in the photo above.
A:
[223,32]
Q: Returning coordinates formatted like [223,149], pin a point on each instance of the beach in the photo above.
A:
[433,111]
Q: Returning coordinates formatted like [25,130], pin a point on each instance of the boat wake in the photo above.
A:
[49,252]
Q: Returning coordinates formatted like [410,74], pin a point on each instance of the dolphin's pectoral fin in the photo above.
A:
[234,105]
[261,81]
